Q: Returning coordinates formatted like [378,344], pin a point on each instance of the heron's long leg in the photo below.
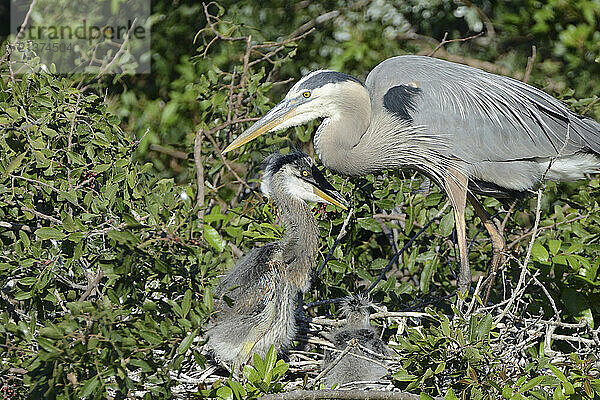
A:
[498,243]
[456,187]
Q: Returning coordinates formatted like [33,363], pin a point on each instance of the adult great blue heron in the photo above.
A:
[259,293]
[469,130]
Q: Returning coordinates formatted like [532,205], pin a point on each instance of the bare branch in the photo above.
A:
[15,226]
[93,284]
[70,139]
[168,151]
[213,28]
[41,215]
[445,42]
[512,299]
[226,163]
[335,243]
[121,48]
[199,174]
[20,33]
[530,61]
[355,394]
[335,362]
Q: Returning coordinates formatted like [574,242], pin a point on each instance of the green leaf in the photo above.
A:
[123,236]
[472,354]
[251,373]
[558,394]
[47,345]
[484,327]
[89,387]
[450,395]
[554,246]
[539,253]
[186,343]
[369,224]
[15,163]
[507,392]
[578,305]
[69,196]
[258,364]
[531,384]
[143,364]
[337,266]
[225,393]
[186,304]
[101,168]
[426,276]
[28,280]
[447,224]
[151,337]
[561,377]
[238,390]
[445,327]
[213,238]
[49,233]
[51,332]
[403,376]
[68,223]
[441,366]
[270,360]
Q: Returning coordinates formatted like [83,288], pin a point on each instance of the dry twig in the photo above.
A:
[538,212]
[337,240]
[530,61]
[355,394]
[445,41]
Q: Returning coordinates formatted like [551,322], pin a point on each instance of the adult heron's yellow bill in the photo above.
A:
[274,118]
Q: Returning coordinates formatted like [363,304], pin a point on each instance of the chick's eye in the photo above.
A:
[306,94]
[304,173]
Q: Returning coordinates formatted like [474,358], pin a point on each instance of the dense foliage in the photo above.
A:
[110,249]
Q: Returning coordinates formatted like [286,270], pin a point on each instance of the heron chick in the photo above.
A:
[364,360]
[473,132]
[256,300]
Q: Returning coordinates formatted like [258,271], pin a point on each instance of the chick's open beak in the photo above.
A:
[332,197]
[323,189]
[281,112]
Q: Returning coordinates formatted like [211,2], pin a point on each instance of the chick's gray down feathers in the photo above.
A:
[365,360]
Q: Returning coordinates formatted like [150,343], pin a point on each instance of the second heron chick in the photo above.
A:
[364,360]
[258,296]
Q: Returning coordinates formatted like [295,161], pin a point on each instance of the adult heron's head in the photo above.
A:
[297,175]
[315,96]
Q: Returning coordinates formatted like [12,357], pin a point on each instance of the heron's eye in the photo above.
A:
[306,94]
[305,173]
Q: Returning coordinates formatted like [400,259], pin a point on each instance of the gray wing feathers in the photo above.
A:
[487,117]
[259,269]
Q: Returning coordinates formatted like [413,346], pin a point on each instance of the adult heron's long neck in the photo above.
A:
[338,138]
[300,241]
[352,141]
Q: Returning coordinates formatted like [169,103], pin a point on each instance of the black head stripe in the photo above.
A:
[276,161]
[322,78]
[320,180]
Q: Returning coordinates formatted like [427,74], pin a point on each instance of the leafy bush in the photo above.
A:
[94,246]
